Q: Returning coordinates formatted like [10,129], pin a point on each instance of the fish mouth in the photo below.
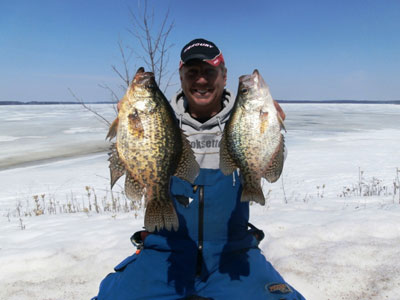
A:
[252,80]
[246,79]
[142,77]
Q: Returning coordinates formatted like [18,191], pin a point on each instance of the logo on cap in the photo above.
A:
[197,45]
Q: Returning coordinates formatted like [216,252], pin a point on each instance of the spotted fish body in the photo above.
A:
[150,148]
[252,139]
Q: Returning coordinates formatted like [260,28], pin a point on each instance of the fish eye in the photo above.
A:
[244,91]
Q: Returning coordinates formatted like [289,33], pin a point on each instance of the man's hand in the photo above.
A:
[280,110]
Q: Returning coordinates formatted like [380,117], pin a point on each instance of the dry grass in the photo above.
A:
[89,202]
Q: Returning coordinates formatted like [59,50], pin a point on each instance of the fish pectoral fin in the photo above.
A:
[160,213]
[133,190]
[275,166]
[281,123]
[187,168]
[226,163]
[135,125]
[112,132]
[263,122]
[117,167]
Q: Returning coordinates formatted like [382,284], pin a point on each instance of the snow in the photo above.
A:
[325,239]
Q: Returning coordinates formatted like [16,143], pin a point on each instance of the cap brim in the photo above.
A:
[213,62]
[197,56]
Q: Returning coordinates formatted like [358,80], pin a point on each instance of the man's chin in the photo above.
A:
[203,98]
[203,101]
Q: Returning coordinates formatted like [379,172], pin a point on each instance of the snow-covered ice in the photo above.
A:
[321,235]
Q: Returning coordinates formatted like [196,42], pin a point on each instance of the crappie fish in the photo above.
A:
[252,140]
[150,148]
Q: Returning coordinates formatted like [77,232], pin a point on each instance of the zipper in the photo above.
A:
[200,232]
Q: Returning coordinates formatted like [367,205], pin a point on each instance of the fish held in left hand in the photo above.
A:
[150,148]
[252,140]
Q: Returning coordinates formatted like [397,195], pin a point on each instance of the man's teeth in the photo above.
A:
[202,91]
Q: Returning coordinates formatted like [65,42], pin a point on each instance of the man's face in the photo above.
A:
[203,86]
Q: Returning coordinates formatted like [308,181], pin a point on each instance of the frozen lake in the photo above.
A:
[328,244]
[31,133]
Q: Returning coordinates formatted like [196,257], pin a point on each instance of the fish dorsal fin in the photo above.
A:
[187,168]
[275,166]
[226,163]
[112,132]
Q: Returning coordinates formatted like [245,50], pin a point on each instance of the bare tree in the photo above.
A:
[87,107]
[154,43]
[123,74]
[151,45]
[125,77]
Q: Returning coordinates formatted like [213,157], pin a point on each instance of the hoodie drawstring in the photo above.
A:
[180,121]
[219,124]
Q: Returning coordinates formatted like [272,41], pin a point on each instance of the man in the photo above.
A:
[214,254]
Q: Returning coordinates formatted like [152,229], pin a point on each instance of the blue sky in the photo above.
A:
[304,49]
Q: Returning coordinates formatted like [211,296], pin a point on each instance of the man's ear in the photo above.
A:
[180,75]
[225,76]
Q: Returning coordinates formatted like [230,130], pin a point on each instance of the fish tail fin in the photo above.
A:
[253,194]
[160,213]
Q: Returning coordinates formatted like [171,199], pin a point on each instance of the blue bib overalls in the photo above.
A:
[213,254]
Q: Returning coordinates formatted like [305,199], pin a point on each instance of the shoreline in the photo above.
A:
[331,101]
[43,161]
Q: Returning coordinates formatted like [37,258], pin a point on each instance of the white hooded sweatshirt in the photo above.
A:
[205,138]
